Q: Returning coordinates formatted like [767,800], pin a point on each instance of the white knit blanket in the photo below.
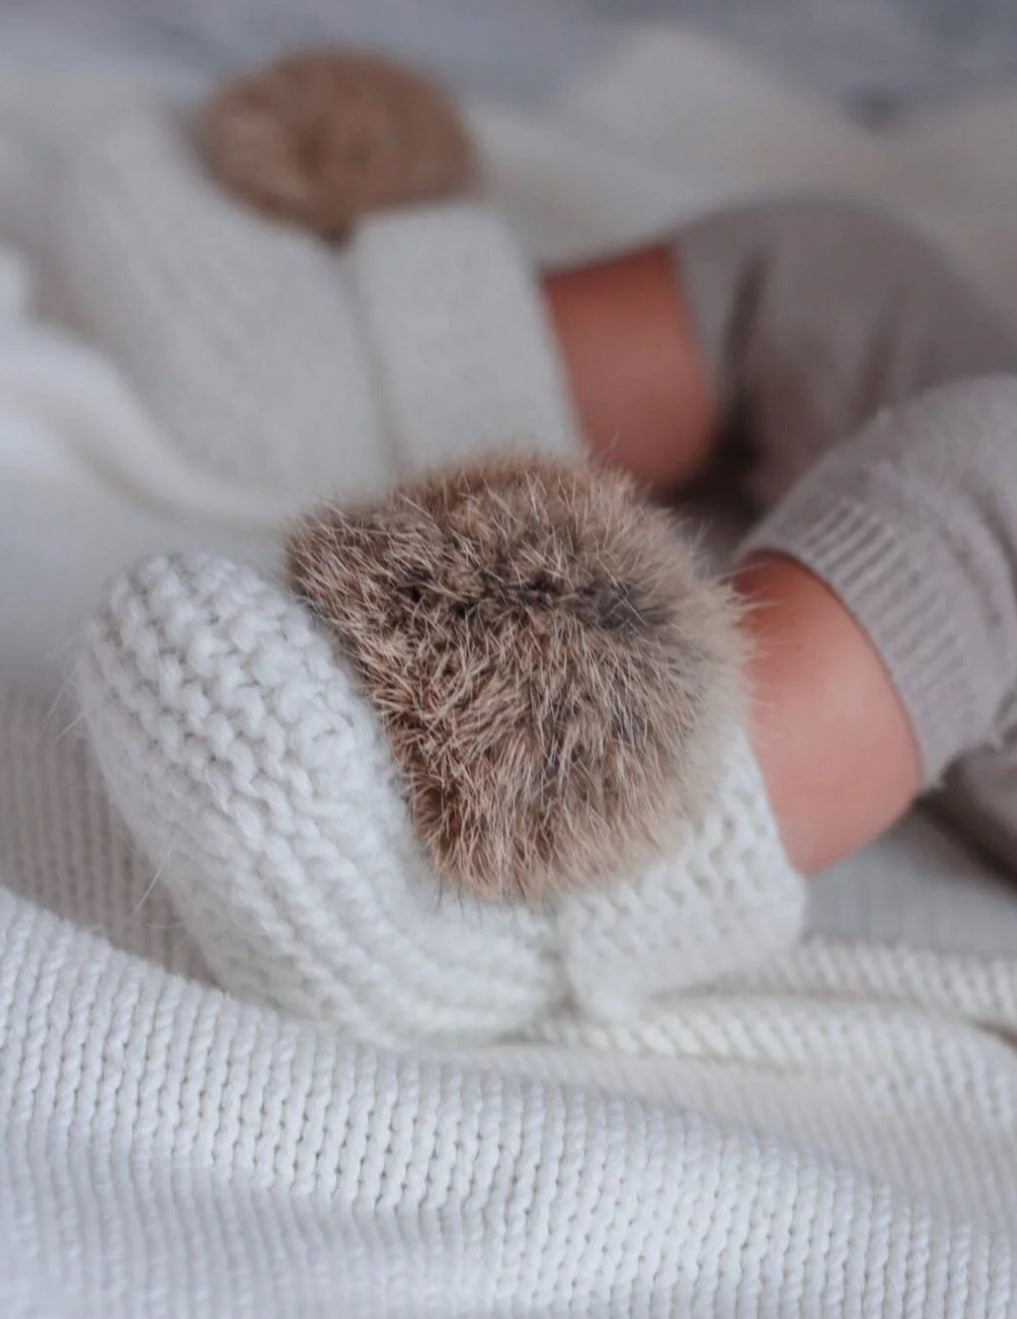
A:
[835,1134]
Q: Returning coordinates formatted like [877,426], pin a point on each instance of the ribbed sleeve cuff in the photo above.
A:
[465,357]
[891,579]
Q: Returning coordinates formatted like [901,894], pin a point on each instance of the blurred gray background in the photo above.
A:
[881,57]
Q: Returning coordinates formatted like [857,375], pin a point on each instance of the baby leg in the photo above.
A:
[881,606]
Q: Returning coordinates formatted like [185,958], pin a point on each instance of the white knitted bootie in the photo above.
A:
[259,782]
[282,361]
[723,898]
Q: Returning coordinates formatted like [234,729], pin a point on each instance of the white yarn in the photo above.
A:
[167,1150]
[259,782]
[89,410]
[835,1135]
[465,351]
[238,333]
[727,898]
[172,1152]
[283,363]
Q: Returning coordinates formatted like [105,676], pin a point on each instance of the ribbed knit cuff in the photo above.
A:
[465,356]
[891,579]
[724,899]
[241,337]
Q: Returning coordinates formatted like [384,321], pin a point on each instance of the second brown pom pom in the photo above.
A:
[324,137]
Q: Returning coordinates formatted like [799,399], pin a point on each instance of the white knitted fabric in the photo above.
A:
[726,898]
[466,356]
[282,362]
[830,1134]
[239,334]
[807,1142]
[259,782]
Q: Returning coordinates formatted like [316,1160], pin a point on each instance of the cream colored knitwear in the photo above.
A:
[285,363]
[257,780]
[831,1134]
[827,1135]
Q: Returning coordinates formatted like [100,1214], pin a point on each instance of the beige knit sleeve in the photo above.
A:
[815,314]
[913,524]
[821,320]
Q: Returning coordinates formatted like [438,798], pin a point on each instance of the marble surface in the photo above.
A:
[882,57]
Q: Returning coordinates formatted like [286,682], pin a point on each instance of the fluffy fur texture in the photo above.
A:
[554,675]
[324,137]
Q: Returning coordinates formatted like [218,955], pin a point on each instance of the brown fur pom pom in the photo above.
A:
[321,138]
[555,677]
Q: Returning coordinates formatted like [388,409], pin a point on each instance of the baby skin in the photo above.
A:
[826,337]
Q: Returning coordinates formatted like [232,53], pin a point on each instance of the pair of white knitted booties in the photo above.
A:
[240,742]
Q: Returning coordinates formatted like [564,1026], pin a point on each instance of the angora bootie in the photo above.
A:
[319,819]
[284,363]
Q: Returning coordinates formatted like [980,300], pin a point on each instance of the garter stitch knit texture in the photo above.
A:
[256,777]
[233,1163]
[856,1158]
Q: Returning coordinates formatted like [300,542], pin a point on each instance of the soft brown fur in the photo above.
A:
[553,673]
[321,138]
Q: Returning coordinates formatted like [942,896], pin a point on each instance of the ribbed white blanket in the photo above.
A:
[834,1134]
